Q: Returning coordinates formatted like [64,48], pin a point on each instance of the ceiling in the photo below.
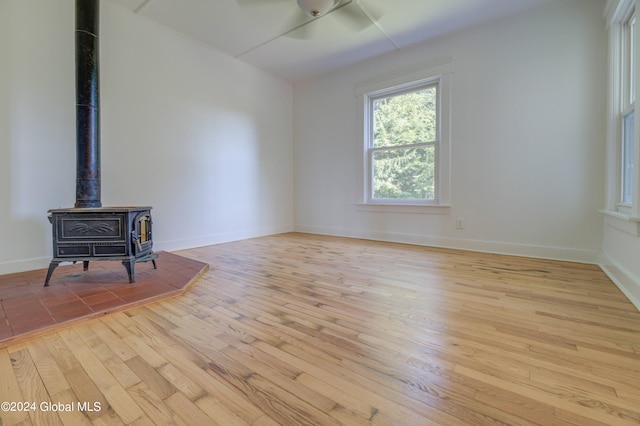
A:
[259,31]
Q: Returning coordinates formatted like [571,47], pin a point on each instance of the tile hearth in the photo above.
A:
[28,309]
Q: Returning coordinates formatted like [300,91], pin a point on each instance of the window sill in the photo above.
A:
[403,208]
[623,222]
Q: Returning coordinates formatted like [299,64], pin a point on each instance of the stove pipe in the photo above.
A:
[87,104]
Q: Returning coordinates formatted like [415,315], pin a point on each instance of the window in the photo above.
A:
[622,138]
[406,139]
[628,65]
[402,148]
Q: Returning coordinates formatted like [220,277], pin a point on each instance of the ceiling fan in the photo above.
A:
[309,10]
[316,8]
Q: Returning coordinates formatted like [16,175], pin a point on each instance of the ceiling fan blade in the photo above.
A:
[260,3]
[352,15]
[372,12]
[296,26]
[302,33]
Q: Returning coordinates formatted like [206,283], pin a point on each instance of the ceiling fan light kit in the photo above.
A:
[308,11]
[315,8]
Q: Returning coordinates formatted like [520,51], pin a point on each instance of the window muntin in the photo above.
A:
[403,144]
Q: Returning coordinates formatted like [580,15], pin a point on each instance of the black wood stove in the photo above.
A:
[108,233]
[89,231]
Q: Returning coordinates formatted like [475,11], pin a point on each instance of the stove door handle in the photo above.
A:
[134,237]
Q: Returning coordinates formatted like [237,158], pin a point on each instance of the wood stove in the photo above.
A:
[110,233]
[89,231]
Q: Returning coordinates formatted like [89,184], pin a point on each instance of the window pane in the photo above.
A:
[627,157]
[404,173]
[405,119]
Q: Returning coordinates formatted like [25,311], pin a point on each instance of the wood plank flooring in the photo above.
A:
[28,309]
[297,329]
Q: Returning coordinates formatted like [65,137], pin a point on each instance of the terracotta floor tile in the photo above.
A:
[25,299]
[26,306]
[30,320]
[63,307]
[36,279]
[52,291]
[5,334]
[89,291]
[104,296]
[119,291]
[107,305]
[5,330]
[15,281]
[73,313]
[33,308]
[7,292]
[31,311]
[172,278]
[60,300]
[31,326]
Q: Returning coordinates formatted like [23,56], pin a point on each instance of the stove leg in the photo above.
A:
[85,265]
[130,267]
[52,266]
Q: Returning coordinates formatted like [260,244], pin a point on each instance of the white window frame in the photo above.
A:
[621,102]
[627,98]
[440,74]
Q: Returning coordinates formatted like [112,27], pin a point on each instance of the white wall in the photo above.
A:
[620,251]
[208,140]
[37,125]
[203,138]
[621,233]
[528,130]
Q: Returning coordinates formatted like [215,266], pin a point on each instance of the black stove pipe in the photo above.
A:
[87,104]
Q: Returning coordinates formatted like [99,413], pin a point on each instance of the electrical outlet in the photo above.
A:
[459,223]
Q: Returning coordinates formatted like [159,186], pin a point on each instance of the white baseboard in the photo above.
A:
[208,240]
[626,281]
[525,250]
[22,265]
[167,245]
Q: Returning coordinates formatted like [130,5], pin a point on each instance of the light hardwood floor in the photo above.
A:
[299,329]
